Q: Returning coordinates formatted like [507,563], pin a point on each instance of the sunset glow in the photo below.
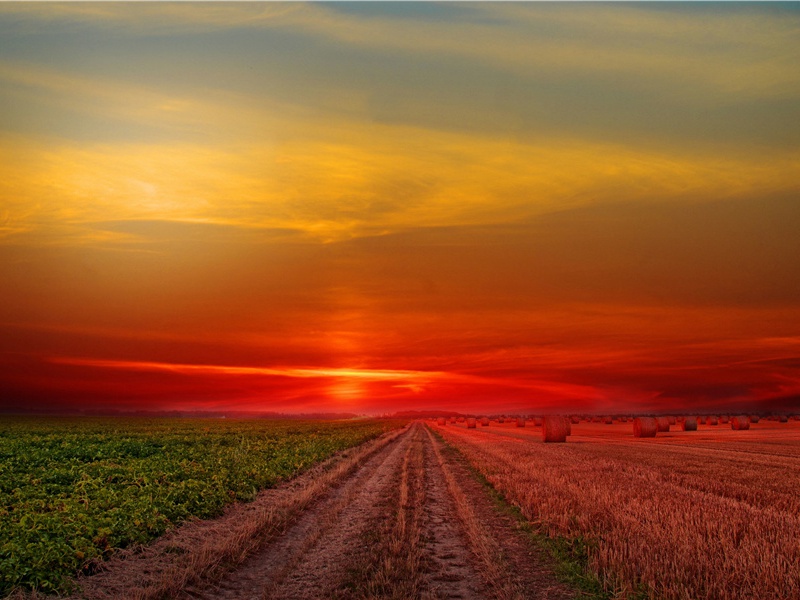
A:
[370,207]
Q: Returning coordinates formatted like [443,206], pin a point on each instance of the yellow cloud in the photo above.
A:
[351,178]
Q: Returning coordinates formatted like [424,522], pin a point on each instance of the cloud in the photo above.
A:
[750,52]
[356,180]
[294,372]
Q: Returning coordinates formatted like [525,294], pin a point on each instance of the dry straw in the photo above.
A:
[662,423]
[471,423]
[645,427]
[555,429]
[740,422]
[690,424]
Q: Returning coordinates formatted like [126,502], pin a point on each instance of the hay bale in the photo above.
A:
[573,420]
[724,419]
[484,421]
[689,424]
[537,421]
[608,421]
[520,422]
[441,421]
[569,427]
[645,427]
[501,420]
[471,423]
[555,429]
[712,421]
[662,423]
[452,420]
[740,422]
[783,419]
[672,421]
[754,418]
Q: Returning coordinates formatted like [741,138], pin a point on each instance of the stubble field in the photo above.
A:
[708,514]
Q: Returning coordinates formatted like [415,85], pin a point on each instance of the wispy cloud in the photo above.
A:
[294,372]
[748,52]
[369,180]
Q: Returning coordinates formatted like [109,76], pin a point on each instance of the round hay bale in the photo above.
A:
[471,423]
[573,420]
[537,421]
[672,421]
[646,427]
[783,419]
[754,418]
[724,419]
[520,422]
[441,421]
[501,420]
[608,421]
[740,422]
[690,424]
[569,426]
[555,429]
[712,421]
[452,420]
[662,423]
[484,421]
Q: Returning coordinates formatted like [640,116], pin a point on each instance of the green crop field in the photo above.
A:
[75,490]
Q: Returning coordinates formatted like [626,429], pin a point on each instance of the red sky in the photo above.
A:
[599,214]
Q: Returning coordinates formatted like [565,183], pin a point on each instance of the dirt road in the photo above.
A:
[404,520]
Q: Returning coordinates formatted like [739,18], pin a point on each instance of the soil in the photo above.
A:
[406,520]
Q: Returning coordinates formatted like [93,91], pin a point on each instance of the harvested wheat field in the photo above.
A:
[400,516]
[712,513]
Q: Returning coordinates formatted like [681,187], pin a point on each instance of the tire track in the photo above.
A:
[509,567]
[307,561]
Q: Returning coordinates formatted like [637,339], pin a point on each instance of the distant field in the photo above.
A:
[73,491]
[708,514]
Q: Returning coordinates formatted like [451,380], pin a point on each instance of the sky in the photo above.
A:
[365,207]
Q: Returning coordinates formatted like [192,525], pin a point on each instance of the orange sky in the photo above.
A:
[369,208]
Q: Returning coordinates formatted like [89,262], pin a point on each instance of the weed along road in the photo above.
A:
[398,517]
